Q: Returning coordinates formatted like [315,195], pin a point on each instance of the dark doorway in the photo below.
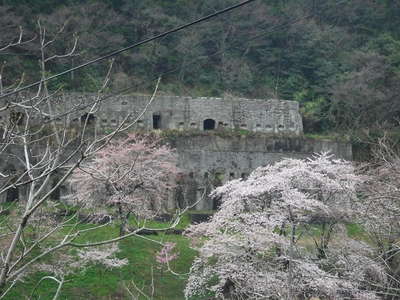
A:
[89,117]
[156,121]
[179,197]
[216,203]
[218,181]
[12,195]
[56,194]
[209,124]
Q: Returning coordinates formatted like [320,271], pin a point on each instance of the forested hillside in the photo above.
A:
[91,210]
[339,59]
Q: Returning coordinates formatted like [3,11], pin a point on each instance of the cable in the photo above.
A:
[116,52]
[201,57]
[172,70]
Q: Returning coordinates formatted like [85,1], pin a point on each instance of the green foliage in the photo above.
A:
[388,46]
[329,136]
[315,113]
[98,282]
[306,51]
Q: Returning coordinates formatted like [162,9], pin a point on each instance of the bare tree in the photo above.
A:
[44,140]
[378,210]
[37,141]
[361,98]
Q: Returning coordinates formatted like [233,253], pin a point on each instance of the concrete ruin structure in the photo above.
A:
[182,113]
[172,112]
[217,139]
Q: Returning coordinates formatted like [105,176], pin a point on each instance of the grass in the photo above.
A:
[172,134]
[315,231]
[183,223]
[330,137]
[101,283]
[98,282]
[355,231]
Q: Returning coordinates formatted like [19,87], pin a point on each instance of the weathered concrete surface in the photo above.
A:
[174,112]
[270,116]
[273,131]
[212,160]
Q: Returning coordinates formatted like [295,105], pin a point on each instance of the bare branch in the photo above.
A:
[19,41]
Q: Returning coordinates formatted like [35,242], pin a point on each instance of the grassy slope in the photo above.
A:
[98,282]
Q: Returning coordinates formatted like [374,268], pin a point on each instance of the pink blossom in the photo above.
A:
[167,253]
[135,174]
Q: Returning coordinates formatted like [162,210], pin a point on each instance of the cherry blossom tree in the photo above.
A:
[134,175]
[265,242]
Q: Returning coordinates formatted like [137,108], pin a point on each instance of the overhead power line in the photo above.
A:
[116,52]
[270,30]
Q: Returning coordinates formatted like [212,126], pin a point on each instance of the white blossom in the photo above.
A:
[247,252]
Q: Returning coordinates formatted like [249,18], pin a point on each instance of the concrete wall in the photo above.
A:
[210,160]
[268,116]
[206,160]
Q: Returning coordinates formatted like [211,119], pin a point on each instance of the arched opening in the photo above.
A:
[209,124]
[89,117]
[12,195]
